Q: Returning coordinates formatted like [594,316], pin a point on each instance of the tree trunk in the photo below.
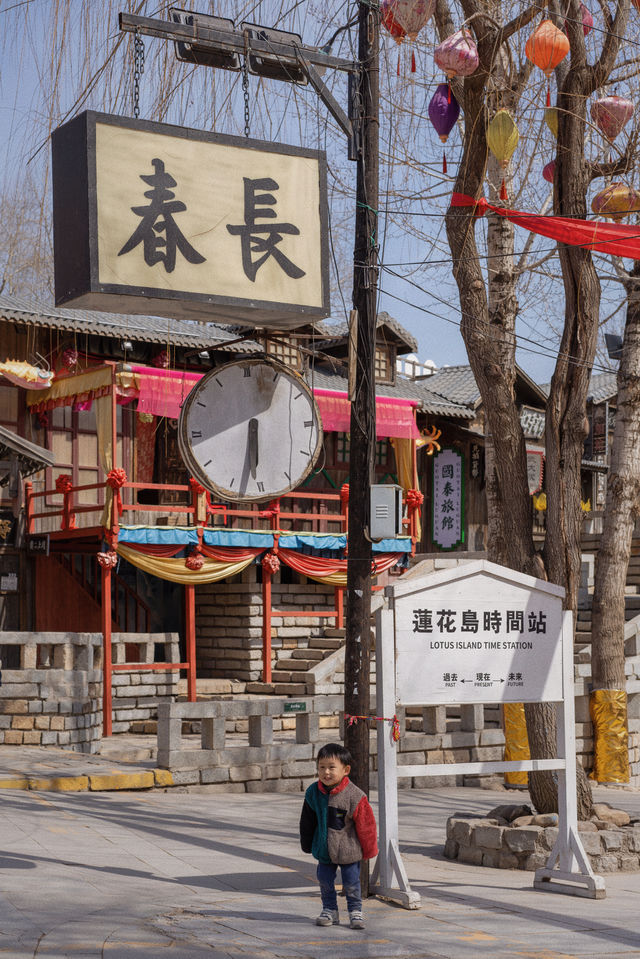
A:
[623,498]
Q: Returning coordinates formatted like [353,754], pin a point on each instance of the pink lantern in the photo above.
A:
[548,171]
[610,114]
[457,55]
[406,18]
[587,20]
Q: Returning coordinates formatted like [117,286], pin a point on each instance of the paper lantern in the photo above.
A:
[457,55]
[616,201]
[546,48]
[587,20]
[610,114]
[548,171]
[551,119]
[406,18]
[444,110]
[502,138]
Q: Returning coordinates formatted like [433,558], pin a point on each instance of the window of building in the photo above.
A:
[286,351]
[384,370]
[343,446]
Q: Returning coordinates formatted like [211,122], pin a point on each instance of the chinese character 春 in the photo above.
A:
[262,239]
[157,230]
[492,620]
[469,621]
[422,621]
[515,621]
[537,623]
[446,621]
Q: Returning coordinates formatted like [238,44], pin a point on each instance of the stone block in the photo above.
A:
[245,773]
[275,786]
[185,777]
[471,717]
[522,840]
[489,837]
[591,843]
[491,737]
[17,690]
[32,737]
[607,863]
[470,855]
[507,860]
[169,732]
[260,730]
[451,849]
[217,774]
[461,830]
[13,737]
[22,722]
[611,839]
[213,733]
[28,656]
[299,768]
[49,738]
[537,860]
[628,863]
[35,706]
[307,727]
[56,722]
[434,719]
[490,858]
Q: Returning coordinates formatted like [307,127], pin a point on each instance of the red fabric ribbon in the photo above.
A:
[108,560]
[395,723]
[415,499]
[271,562]
[64,482]
[325,565]
[621,239]
[116,478]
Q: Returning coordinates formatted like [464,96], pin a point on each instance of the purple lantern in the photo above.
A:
[444,110]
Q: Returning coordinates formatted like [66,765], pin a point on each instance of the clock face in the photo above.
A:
[250,430]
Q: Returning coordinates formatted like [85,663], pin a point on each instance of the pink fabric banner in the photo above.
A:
[162,392]
[394,417]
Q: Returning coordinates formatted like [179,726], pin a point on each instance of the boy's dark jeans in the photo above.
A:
[350,882]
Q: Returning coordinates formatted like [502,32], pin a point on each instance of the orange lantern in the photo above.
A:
[616,201]
[546,48]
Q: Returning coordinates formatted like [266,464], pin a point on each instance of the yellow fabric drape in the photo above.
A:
[405,465]
[608,710]
[175,571]
[103,410]
[516,741]
[71,386]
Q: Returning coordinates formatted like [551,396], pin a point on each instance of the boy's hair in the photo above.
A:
[335,751]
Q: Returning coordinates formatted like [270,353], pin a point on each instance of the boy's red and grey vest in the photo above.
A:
[338,826]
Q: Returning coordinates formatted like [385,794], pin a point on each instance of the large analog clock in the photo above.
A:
[250,430]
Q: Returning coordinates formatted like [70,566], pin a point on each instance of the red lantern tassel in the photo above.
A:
[548,93]
[449,92]
[413,61]
[504,196]
[398,67]
[444,162]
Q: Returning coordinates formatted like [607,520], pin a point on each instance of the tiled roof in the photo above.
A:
[145,329]
[603,387]
[456,383]
[428,401]
[334,332]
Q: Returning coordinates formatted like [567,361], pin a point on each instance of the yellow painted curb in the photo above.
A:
[14,783]
[163,777]
[110,781]
[61,784]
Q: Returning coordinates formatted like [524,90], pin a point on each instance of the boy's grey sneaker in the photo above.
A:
[328,917]
[356,919]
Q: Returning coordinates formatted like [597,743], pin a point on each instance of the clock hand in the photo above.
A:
[253,446]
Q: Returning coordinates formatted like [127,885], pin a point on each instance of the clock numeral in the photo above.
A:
[218,382]
[287,475]
[297,396]
[196,434]
[275,376]
[208,461]
[233,479]
[304,452]
[247,371]
[260,487]
[198,403]
[308,423]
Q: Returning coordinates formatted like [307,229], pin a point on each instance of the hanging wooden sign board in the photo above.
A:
[164,220]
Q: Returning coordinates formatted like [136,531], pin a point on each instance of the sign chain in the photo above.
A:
[138,70]
[245,92]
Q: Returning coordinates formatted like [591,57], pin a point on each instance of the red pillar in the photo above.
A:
[339,594]
[266,624]
[106,650]
[190,629]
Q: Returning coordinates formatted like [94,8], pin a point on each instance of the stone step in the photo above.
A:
[333,632]
[290,689]
[297,664]
[316,654]
[325,642]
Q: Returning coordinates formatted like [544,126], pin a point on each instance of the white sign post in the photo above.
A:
[478,633]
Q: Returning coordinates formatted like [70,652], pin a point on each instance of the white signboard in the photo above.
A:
[448,499]
[478,640]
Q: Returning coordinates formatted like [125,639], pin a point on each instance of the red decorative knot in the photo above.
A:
[270,562]
[194,561]
[116,478]
[108,560]
[344,493]
[43,420]
[64,483]
[395,723]
[161,360]
[196,487]
[415,499]
[70,358]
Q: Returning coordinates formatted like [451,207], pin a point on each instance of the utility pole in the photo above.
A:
[357,697]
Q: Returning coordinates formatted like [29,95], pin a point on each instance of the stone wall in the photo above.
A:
[54,695]
[51,692]
[229,622]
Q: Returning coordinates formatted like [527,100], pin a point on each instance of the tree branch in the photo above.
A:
[521,21]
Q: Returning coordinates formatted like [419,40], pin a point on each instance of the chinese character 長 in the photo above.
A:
[158,232]
[259,240]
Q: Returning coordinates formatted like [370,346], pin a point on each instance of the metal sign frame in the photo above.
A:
[568,869]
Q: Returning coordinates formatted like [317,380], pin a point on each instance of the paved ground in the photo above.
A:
[151,874]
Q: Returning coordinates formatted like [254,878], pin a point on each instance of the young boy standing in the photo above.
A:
[338,827]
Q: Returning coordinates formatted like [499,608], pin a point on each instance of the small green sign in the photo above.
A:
[295,707]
